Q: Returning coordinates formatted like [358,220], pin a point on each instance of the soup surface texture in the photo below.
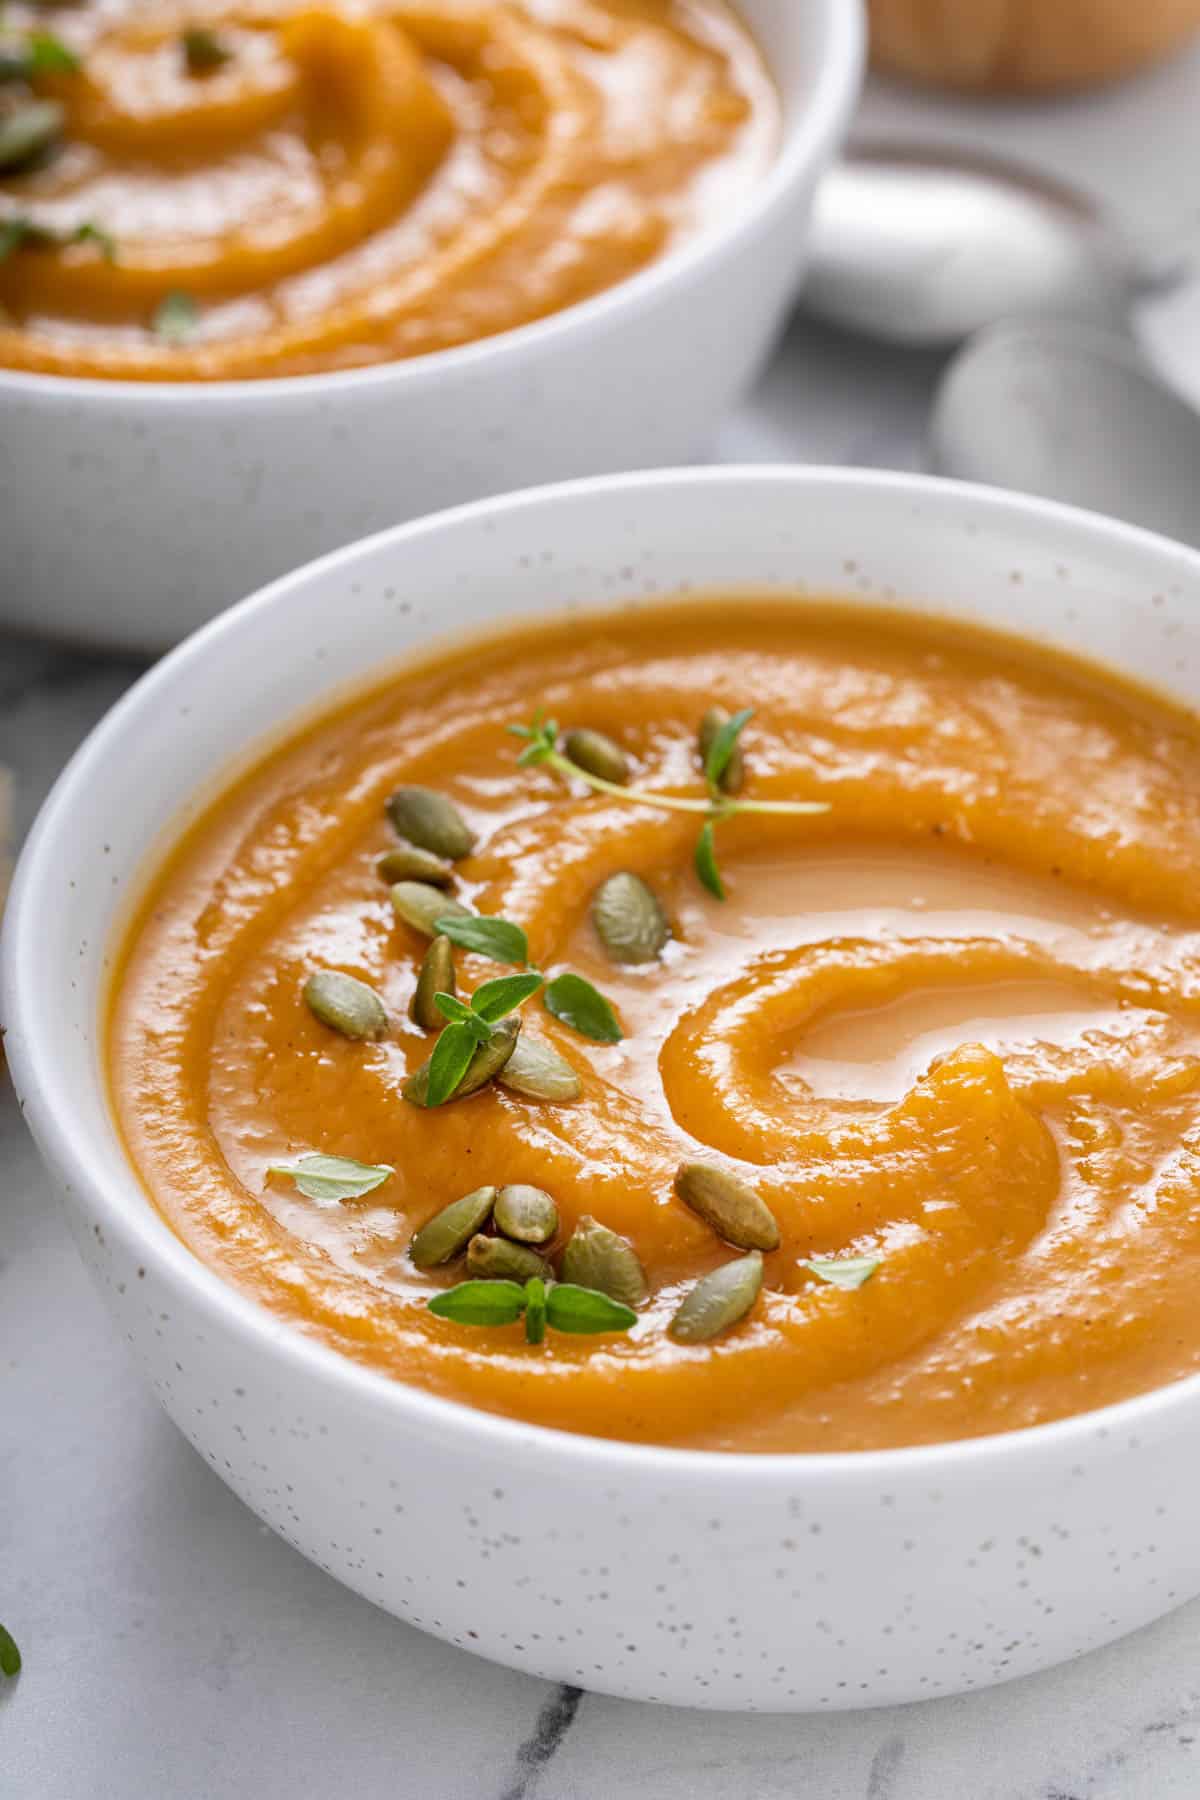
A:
[952,1025]
[278,188]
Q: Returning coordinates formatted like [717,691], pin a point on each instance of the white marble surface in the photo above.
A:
[176,1650]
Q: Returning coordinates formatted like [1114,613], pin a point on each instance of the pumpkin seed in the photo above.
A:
[486,1063]
[421,906]
[718,1301]
[631,924]
[539,1073]
[28,130]
[733,1209]
[436,977]
[408,862]
[526,1214]
[596,1257]
[346,1004]
[427,819]
[734,778]
[598,755]
[448,1233]
[496,1259]
[203,50]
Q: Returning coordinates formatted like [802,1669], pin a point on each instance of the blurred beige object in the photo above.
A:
[1014,45]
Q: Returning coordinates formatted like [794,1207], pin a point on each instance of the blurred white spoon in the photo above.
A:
[1070,412]
[921,244]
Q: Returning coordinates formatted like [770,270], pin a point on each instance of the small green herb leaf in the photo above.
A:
[473,1018]
[48,55]
[500,939]
[41,53]
[333,1177]
[203,50]
[10,1655]
[496,998]
[723,745]
[451,1007]
[18,230]
[846,1272]
[541,740]
[485,1063]
[706,860]
[577,1310]
[535,1310]
[582,1310]
[449,1063]
[577,1003]
[480,1303]
[176,319]
[105,242]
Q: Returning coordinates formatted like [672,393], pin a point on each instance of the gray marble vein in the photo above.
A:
[543,1744]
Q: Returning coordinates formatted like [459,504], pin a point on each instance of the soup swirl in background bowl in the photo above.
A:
[319,187]
[776,1580]
[462,240]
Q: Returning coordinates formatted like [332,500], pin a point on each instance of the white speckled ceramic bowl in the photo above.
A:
[789,1582]
[134,511]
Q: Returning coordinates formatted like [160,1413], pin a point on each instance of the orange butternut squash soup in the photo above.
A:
[277,188]
[549,1032]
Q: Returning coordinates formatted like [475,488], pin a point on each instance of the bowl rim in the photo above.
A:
[123,1209]
[806,144]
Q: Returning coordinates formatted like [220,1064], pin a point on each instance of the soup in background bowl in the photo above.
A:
[1024,1205]
[456,296]
[286,189]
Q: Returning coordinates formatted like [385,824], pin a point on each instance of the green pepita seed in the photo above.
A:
[203,50]
[497,1259]
[427,819]
[28,130]
[596,1257]
[408,862]
[631,924]
[539,1073]
[526,1214]
[483,1067]
[733,1209]
[592,751]
[718,1301]
[421,906]
[436,977]
[346,1004]
[734,778]
[448,1233]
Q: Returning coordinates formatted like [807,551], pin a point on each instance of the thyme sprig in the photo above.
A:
[542,751]
[561,1305]
[471,1025]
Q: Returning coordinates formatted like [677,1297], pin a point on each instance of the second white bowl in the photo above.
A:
[134,511]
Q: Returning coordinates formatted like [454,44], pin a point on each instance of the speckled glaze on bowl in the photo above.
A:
[773,1582]
[134,511]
